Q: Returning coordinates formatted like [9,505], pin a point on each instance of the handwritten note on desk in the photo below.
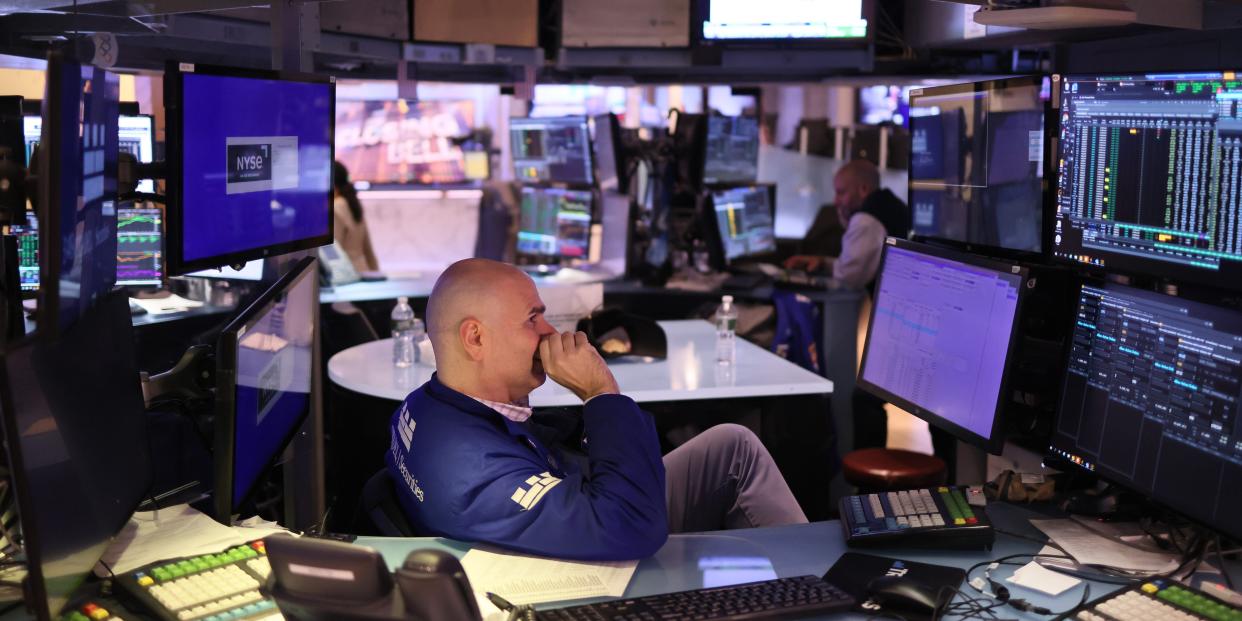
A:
[533,580]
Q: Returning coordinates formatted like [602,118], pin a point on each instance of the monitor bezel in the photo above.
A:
[995,442]
[700,10]
[226,398]
[1136,266]
[719,257]
[1047,181]
[610,123]
[1053,459]
[175,263]
[146,286]
[704,137]
[585,123]
[528,258]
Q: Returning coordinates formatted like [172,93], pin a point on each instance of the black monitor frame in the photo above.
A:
[711,226]
[175,263]
[995,441]
[163,251]
[700,11]
[609,122]
[226,403]
[11,134]
[1064,463]
[1047,181]
[590,152]
[528,258]
[701,147]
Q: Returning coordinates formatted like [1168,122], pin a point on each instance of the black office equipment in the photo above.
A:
[857,573]
[899,594]
[215,587]
[1158,599]
[941,338]
[1150,400]
[740,222]
[316,580]
[11,128]
[249,166]
[977,165]
[554,225]
[1148,181]
[78,165]
[936,517]
[731,150]
[555,149]
[608,154]
[263,385]
[75,431]
[12,319]
[864,144]
[779,598]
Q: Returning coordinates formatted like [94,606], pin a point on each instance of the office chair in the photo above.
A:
[378,509]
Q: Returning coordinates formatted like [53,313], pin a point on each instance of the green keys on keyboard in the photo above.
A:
[1159,599]
[222,586]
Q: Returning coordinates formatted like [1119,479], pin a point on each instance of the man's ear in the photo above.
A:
[470,332]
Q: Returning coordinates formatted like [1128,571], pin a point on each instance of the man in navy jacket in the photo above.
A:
[470,465]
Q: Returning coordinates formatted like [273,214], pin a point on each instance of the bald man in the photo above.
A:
[471,464]
[869,214]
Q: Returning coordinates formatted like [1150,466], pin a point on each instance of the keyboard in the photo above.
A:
[935,517]
[90,611]
[771,599]
[1158,599]
[210,587]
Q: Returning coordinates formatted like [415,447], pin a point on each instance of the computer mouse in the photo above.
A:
[900,593]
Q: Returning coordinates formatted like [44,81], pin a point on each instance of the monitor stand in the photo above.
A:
[536,271]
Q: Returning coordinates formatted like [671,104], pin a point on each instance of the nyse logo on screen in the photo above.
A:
[250,162]
[261,163]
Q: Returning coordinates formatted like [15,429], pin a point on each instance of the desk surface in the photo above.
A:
[689,373]
[808,549]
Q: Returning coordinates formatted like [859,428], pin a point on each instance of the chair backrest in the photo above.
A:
[380,507]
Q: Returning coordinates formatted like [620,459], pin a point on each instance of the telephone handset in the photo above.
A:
[314,579]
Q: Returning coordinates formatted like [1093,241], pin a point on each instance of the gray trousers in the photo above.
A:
[725,478]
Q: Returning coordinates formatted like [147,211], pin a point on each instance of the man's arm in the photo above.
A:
[860,251]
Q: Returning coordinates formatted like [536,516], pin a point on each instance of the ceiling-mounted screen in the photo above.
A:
[799,20]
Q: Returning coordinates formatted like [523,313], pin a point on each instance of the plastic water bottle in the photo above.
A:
[403,346]
[420,335]
[726,327]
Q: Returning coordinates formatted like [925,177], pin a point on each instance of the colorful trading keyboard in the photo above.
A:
[1159,599]
[936,517]
[90,611]
[210,587]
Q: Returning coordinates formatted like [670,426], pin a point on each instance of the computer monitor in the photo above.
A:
[820,138]
[556,149]
[139,247]
[32,130]
[137,137]
[731,154]
[11,128]
[879,104]
[941,335]
[979,147]
[555,224]
[1150,400]
[75,430]
[27,252]
[744,222]
[865,143]
[782,20]
[1148,180]
[78,188]
[606,150]
[263,384]
[249,164]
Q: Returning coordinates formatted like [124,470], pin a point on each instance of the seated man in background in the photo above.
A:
[470,465]
[869,214]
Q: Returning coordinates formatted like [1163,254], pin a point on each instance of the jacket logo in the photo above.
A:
[405,427]
[539,485]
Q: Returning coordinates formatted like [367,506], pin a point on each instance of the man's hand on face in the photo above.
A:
[571,362]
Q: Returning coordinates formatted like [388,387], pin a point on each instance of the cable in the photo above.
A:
[1224,571]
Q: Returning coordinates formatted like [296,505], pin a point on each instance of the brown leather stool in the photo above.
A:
[881,469]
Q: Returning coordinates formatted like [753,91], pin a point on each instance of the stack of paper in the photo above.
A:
[173,532]
[532,580]
[1089,548]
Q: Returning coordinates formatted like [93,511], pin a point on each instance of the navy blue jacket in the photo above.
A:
[465,472]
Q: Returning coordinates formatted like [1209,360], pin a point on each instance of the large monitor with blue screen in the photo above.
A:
[76,436]
[744,222]
[250,164]
[977,165]
[1150,400]
[555,149]
[1149,179]
[263,384]
[941,337]
[555,224]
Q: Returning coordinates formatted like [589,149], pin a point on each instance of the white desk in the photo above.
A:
[689,373]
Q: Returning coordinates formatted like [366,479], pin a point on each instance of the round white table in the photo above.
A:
[689,373]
